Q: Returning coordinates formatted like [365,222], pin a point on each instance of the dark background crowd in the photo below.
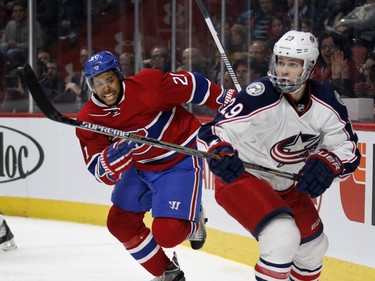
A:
[345,30]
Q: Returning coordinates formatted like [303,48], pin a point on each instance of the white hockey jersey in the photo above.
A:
[269,129]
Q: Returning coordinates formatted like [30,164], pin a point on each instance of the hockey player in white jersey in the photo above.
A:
[289,122]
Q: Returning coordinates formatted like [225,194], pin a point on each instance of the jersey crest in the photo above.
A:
[294,149]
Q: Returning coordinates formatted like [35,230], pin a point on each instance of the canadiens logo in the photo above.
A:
[255,89]
[294,149]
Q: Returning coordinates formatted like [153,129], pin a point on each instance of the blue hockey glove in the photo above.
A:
[116,158]
[318,173]
[229,167]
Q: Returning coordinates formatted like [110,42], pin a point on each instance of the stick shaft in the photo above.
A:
[219,45]
[52,113]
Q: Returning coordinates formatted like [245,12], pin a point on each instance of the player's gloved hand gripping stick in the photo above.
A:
[52,113]
[229,166]
[116,158]
[319,172]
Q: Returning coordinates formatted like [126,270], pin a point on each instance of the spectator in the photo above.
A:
[127,63]
[41,70]
[262,20]
[248,70]
[365,88]
[278,28]
[102,7]
[193,60]
[336,12]
[304,12]
[6,236]
[72,17]
[227,80]
[216,56]
[5,13]
[47,14]
[306,25]
[14,43]
[160,59]
[260,52]
[44,55]
[238,38]
[16,96]
[360,23]
[227,31]
[335,65]
[77,86]
[54,87]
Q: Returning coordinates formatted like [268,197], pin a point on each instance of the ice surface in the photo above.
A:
[51,250]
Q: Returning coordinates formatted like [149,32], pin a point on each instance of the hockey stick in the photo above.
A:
[52,113]
[219,45]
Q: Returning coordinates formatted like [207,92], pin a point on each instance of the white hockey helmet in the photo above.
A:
[299,45]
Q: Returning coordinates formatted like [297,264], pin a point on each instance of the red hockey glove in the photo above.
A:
[319,172]
[116,158]
[229,167]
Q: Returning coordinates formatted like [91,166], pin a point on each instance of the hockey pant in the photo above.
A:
[286,224]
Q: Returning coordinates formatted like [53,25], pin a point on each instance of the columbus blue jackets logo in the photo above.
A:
[294,149]
[255,89]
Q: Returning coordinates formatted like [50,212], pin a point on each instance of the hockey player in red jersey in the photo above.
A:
[289,122]
[147,177]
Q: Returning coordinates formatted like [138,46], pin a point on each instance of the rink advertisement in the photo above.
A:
[42,167]
[20,155]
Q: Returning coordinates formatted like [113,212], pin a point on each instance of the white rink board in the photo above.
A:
[63,176]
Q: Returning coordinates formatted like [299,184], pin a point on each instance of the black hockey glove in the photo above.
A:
[116,158]
[318,173]
[229,167]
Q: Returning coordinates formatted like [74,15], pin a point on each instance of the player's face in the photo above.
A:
[289,67]
[107,86]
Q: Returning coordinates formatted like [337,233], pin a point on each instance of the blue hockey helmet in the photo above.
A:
[101,62]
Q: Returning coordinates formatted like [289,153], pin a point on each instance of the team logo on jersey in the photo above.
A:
[255,89]
[294,149]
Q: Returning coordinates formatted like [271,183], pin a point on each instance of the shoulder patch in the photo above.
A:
[339,98]
[255,89]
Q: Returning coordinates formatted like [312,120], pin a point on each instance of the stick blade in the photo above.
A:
[42,100]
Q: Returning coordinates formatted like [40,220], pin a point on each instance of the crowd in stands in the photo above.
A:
[345,30]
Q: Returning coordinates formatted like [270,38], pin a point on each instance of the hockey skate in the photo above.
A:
[173,272]
[198,238]
[6,236]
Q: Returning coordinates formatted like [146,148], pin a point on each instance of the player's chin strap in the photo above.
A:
[52,113]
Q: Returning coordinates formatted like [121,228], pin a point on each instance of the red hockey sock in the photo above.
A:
[129,229]
[170,232]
